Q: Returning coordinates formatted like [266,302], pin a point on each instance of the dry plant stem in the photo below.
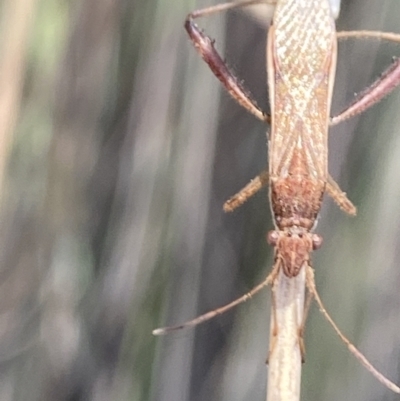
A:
[310,281]
[285,356]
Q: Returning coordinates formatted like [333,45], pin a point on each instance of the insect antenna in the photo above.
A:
[310,281]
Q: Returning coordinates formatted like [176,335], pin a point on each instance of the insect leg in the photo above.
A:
[247,192]
[303,325]
[388,80]
[219,311]
[340,197]
[205,47]
[274,328]
[310,281]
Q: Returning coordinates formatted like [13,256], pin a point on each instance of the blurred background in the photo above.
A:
[118,149]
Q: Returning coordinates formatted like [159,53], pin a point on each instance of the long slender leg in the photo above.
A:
[362,359]
[388,81]
[340,197]
[247,192]
[274,330]
[303,325]
[392,37]
[205,47]
[227,6]
[209,315]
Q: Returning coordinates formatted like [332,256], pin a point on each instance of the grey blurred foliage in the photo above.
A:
[123,151]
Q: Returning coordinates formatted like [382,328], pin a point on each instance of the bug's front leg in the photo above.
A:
[205,47]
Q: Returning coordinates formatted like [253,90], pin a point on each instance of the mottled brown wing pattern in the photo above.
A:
[300,87]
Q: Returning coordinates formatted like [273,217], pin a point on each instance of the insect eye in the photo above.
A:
[272,237]
[316,241]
